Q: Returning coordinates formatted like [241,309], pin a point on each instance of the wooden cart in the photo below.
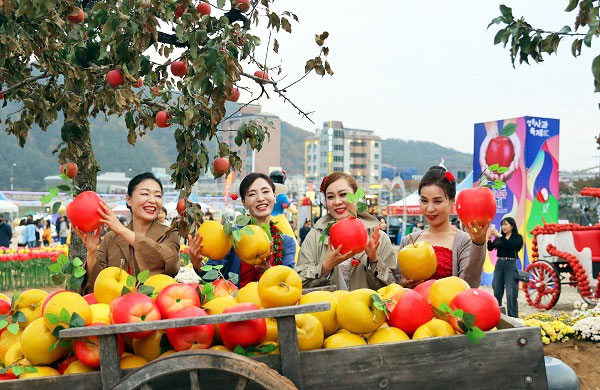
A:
[510,358]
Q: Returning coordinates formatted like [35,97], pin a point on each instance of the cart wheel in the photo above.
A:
[543,288]
[591,300]
[192,361]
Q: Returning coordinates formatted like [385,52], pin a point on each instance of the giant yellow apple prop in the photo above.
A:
[417,261]
[357,313]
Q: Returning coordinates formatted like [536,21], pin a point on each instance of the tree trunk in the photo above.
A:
[81,153]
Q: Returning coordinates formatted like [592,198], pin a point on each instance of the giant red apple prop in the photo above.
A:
[114,78]
[350,233]
[178,68]
[190,337]
[480,303]
[135,307]
[221,165]
[476,205]
[411,311]
[500,151]
[244,333]
[83,211]
[176,297]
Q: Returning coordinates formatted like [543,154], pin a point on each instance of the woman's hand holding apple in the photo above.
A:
[409,283]
[477,232]
[91,240]
[333,258]
[110,219]
[372,245]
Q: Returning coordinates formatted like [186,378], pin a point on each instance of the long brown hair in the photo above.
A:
[335,176]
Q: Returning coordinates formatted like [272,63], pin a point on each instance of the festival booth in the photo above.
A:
[8,208]
[411,202]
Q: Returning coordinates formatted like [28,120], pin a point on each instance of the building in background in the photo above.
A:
[335,148]
[268,158]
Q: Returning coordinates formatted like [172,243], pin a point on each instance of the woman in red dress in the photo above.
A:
[458,253]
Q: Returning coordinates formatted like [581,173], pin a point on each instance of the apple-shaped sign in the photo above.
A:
[83,211]
[476,204]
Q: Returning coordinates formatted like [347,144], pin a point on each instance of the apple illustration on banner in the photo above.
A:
[501,150]
[542,195]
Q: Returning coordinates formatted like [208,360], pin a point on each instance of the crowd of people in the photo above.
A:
[33,233]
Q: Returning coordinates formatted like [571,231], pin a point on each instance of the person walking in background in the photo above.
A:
[586,217]
[5,233]
[508,244]
[304,230]
[39,231]
[47,235]
[19,233]
[29,233]
[62,229]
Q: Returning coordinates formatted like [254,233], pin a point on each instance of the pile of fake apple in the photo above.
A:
[29,346]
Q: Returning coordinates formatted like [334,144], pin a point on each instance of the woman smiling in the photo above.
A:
[319,264]
[257,192]
[142,245]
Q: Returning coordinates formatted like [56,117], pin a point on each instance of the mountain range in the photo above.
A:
[157,149]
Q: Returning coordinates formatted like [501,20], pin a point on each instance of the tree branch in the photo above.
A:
[152,103]
[23,82]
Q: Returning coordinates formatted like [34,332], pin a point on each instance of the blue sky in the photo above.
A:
[429,71]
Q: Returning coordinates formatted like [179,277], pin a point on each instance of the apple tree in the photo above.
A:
[527,42]
[69,60]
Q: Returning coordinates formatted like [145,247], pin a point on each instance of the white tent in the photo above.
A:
[411,200]
[6,206]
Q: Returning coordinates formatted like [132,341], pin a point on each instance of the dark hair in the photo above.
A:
[133,183]
[250,179]
[23,222]
[436,175]
[511,222]
[164,209]
[335,176]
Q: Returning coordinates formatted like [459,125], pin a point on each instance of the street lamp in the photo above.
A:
[11,175]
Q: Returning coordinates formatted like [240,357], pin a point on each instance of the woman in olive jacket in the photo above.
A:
[319,264]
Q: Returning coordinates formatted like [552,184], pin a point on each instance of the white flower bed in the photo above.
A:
[588,328]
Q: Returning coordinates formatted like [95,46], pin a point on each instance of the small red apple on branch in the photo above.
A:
[221,166]
[203,8]
[242,5]
[114,78]
[76,15]
[178,68]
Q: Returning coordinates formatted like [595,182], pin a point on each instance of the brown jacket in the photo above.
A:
[312,254]
[467,257]
[155,252]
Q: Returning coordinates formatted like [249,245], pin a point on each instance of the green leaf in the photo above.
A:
[143,276]
[54,267]
[572,5]
[360,193]
[227,229]
[13,328]
[64,187]
[19,317]
[506,12]
[46,199]
[53,346]
[267,348]
[64,316]
[361,207]
[3,324]
[53,192]
[207,292]
[596,68]
[242,220]
[79,272]
[220,266]
[30,369]
[234,278]
[52,318]
[62,259]
[77,262]
[125,290]
[502,170]
[239,350]
[468,319]
[494,167]
[76,321]
[206,268]
[237,235]
[220,4]
[565,29]
[445,307]
[130,281]
[58,279]
[211,275]
[351,197]
[57,330]
[508,129]
[247,230]
[478,332]
[64,343]
[55,207]
[18,370]
[146,290]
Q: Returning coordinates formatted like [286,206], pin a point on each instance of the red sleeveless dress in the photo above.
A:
[444,262]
